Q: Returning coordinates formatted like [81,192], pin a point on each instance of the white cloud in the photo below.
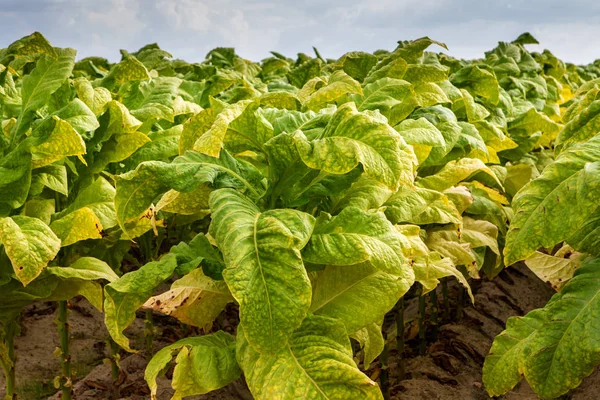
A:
[117,17]
[190,28]
[185,14]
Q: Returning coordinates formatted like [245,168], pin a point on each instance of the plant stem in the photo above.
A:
[114,355]
[446,299]
[185,329]
[461,303]
[384,376]
[422,324]
[434,315]
[11,329]
[400,338]
[114,368]
[63,329]
[149,331]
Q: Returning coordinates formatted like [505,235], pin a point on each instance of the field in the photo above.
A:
[394,225]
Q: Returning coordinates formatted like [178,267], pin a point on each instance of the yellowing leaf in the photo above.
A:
[187,203]
[29,244]
[316,362]
[211,141]
[63,141]
[337,85]
[203,364]
[556,269]
[195,300]
[82,224]
[96,98]
[259,248]
[455,172]
[431,268]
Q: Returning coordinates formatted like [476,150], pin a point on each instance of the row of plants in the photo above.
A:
[310,193]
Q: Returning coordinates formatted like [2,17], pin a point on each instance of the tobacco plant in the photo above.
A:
[311,194]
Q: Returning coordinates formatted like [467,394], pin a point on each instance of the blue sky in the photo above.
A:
[189,28]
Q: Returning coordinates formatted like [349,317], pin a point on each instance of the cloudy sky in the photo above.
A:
[189,28]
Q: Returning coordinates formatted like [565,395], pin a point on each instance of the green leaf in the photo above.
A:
[163,147]
[353,138]
[474,111]
[429,94]
[249,131]
[203,364]
[445,121]
[365,193]
[554,347]
[305,72]
[355,236]
[360,294]
[455,172]
[422,73]
[67,289]
[565,349]
[152,99]
[124,296]
[394,98]
[495,140]
[357,64]
[447,241]
[503,365]
[85,268]
[79,116]
[518,176]
[15,178]
[47,77]
[29,48]
[338,84]
[421,206]
[479,81]
[258,249]
[129,69]
[422,135]
[587,238]
[582,127]
[41,209]
[29,244]
[190,255]
[95,98]
[137,189]
[431,268]
[531,122]
[195,127]
[317,361]
[99,198]
[390,68]
[526,38]
[119,136]
[554,206]
[53,177]
[371,342]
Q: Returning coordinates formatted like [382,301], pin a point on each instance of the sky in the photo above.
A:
[188,29]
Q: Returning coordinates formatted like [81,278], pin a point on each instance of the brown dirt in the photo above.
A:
[451,368]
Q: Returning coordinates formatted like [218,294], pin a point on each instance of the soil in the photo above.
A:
[451,368]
